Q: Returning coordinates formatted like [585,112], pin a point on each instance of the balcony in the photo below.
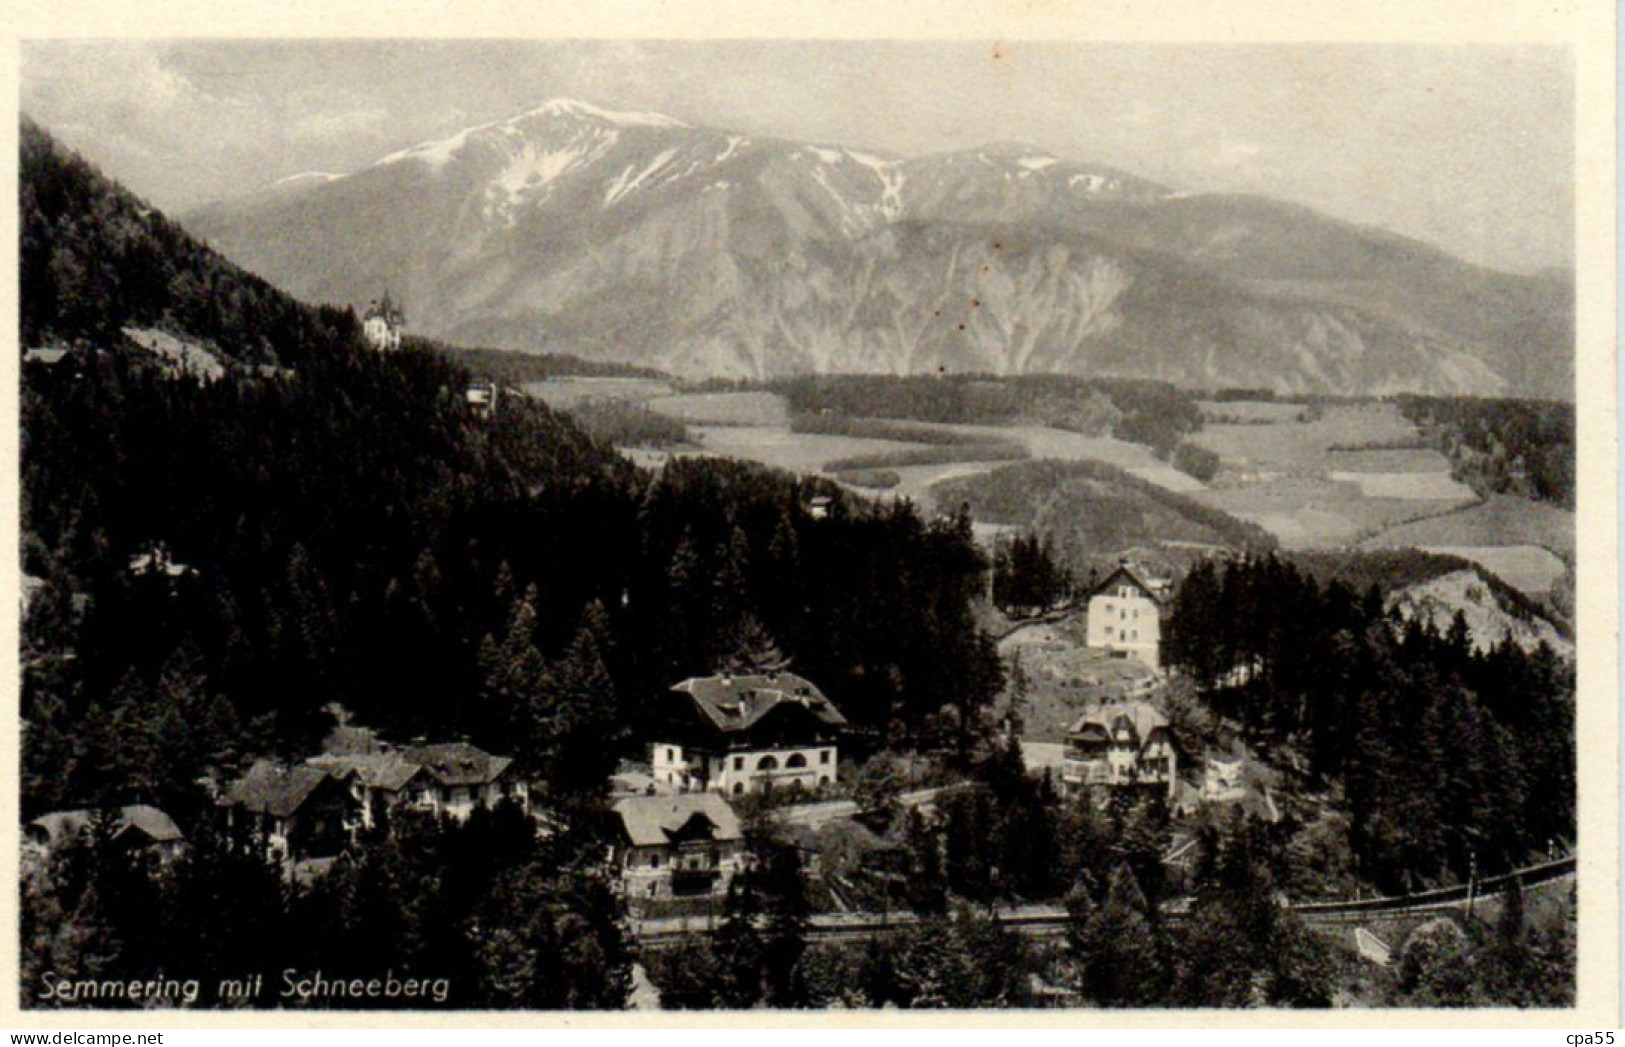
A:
[686,882]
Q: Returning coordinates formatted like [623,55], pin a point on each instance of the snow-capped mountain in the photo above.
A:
[636,237]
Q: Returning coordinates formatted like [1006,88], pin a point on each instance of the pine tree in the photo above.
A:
[737,947]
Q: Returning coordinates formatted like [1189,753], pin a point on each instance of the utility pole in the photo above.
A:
[1472,880]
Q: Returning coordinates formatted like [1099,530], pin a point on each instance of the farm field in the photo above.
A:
[749,409]
[1352,473]
[565,393]
[1295,447]
[1501,520]
[1245,412]
[1354,477]
[777,446]
[756,426]
[1308,512]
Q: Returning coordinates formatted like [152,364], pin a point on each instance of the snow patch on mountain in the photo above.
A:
[626,182]
[1092,183]
[890,174]
[310,177]
[586,110]
[533,169]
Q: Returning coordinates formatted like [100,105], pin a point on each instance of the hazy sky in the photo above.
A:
[1468,147]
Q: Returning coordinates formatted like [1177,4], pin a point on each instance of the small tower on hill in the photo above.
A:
[383,323]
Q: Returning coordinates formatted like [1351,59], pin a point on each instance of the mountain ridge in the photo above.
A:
[641,239]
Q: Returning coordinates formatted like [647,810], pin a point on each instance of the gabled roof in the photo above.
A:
[59,827]
[737,703]
[387,771]
[1107,717]
[652,821]
[458,763]
[277,789]
[1157,589]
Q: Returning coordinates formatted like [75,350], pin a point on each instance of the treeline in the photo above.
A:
[484,915]
[1027,577]
[1448,758]
[625,423]
[1152,413]
[93,259]
[986,451]
[1089,509]
[1521,447]
[514,367]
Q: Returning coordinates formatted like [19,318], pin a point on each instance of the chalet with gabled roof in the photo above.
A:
[748,733]
[1119,744]
[449,779]
[294,811]
[677,846]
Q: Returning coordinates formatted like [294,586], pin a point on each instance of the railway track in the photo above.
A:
[1040,921]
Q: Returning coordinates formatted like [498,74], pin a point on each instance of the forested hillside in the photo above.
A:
[1445,757]
[1521,447]
[95,259]
[345,530]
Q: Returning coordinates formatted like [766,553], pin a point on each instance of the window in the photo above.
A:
[767,763]
[823,757]
[796,761]
[654,861]
[739,787]
[739,763]
[669,757]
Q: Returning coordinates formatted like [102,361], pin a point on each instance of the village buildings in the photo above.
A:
[1125,615]
[679,846]
[135,826]
[748,733]
[315,809]
[1119,744]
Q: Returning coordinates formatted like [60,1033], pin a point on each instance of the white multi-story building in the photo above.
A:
[1125,615]
[742,734]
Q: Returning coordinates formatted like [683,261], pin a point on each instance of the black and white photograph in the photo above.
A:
[799,525]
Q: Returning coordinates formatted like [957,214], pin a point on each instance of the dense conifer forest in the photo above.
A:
[1447,757]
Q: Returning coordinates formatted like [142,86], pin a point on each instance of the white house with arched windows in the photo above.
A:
[744,734]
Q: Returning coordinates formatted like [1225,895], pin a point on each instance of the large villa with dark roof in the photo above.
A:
[748,733]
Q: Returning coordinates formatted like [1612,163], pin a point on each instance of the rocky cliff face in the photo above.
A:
[636,238]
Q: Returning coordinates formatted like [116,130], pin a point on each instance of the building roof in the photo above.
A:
[277,789]
[60,826]
[458,763]
[1105,717]
[387,771]
[1157,589]
[652,821]
[637,783]
[386,309]
[738,703]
